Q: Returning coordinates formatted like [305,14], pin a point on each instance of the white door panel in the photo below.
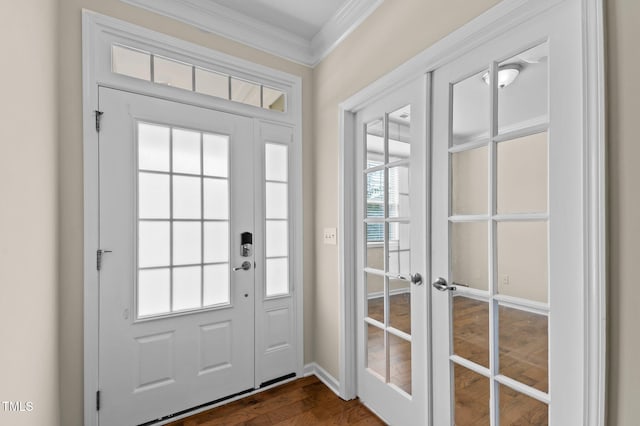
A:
[392,249]
[507,226]
[176,192]
[276,348]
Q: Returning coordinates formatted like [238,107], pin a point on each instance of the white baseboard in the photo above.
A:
[397,291]
[322,374]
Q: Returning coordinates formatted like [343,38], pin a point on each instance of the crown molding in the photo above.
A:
[215,18]
[340,25]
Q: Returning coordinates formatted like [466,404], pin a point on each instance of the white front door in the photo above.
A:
[507,225]
[391,240]
[176,318]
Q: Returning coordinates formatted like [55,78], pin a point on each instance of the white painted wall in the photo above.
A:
[28,212]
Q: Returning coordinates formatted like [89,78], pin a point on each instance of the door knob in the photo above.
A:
[414,278]
[442,285]
[246,265]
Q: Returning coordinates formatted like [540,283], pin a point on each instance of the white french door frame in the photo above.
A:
[98,32]
[505,16]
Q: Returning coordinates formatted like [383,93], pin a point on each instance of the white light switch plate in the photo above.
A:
[330,236]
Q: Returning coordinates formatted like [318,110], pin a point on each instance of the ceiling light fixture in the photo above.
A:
[506,75]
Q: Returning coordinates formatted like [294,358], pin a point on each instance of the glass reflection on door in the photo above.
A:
[498,242]
[387,231]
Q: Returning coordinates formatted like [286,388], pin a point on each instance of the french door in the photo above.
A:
[391,235]
[177,265]
[507,226]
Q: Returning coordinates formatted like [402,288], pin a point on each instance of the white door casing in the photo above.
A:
[391,152]
[152,366]
[278,350]
[588,71]
[477,241]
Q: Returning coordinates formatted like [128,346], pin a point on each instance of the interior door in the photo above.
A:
[391,331]
[508,266]
[176,287]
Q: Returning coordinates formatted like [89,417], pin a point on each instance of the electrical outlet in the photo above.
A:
[330,236]
[504,279]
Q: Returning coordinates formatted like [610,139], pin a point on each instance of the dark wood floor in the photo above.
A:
[305,401]
[523,357]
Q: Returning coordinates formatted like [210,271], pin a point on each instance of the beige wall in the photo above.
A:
[623,64]
[393,34]
[28,211]
[71,232]
[399,30]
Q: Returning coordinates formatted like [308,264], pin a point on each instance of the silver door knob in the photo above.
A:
[415,279]
[442,285]
[246,265]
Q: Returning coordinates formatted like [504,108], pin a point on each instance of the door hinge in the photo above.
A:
[98,119]
[97,400]
[99,254]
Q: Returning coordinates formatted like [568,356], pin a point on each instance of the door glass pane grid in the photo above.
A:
[143,65]
[527,373]
[276,178]
[530,68]
[179,241]
[386,228]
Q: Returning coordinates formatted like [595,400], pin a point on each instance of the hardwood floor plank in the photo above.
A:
[305,401]
[308,402]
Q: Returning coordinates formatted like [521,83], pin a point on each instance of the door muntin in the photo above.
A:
[183,220]
[178,355]
[391,245]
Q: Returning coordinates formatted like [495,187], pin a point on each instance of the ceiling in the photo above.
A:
[303,31]
[304,18]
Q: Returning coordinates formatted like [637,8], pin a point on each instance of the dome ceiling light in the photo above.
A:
[506,74]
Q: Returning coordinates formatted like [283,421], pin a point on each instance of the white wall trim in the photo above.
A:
[347,263]
[504,16]
[322,375]
[341,24]
[98,32]
[595,206]
[221,20]
[500,18]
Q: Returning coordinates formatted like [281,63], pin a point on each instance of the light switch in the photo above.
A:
[330,236]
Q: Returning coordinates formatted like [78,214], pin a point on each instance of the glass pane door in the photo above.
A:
[388,248]
[391,256]
[496,295]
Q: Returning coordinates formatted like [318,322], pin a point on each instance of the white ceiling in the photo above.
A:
[304,18]
[303,31]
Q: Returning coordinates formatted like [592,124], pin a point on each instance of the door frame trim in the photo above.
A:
[96,28]
[504,16]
